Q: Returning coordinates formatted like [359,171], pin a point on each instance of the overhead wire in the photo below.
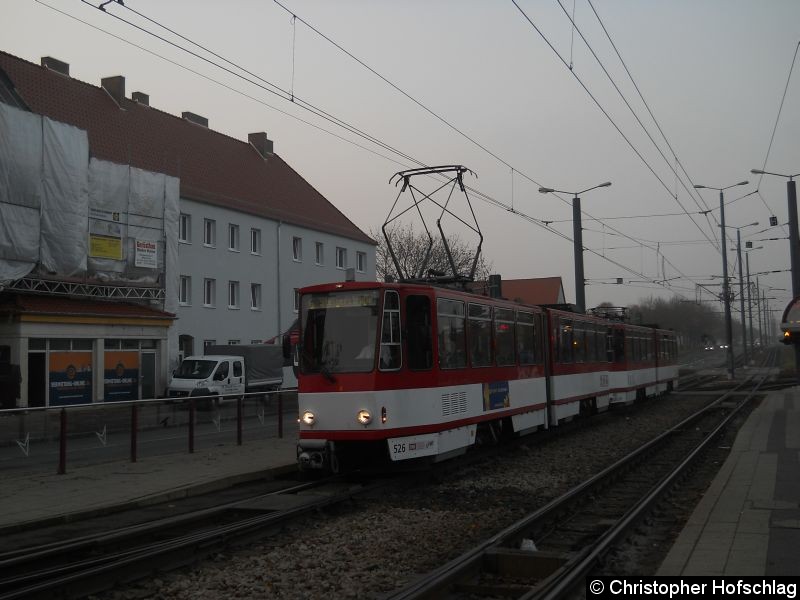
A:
[318,112]
[638,120]
[607,115]
[448,123]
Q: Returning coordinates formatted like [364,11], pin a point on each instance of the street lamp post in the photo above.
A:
[794,245]
[749,301]
[794,239]
[577,241]
[724,249]
[741,287]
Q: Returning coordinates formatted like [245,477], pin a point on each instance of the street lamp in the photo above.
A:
[794,240]
[577,241]
[741,286]
[724,249]
[749,301]
[794,245]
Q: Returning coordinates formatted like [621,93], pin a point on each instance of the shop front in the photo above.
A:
[74,351]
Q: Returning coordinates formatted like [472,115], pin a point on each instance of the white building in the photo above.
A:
[250,232]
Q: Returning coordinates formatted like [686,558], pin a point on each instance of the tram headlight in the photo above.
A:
[364,417]
[308,418]
[384,418]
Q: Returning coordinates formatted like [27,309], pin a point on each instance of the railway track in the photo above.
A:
[548,553]
[93,563]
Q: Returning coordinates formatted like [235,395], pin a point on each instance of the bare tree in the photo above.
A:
[410,246]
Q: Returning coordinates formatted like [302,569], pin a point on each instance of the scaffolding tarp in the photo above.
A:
[20,191]
[82,218]
[65,205]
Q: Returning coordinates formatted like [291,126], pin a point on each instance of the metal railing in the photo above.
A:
[33,437]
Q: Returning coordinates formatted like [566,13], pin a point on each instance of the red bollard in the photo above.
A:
[62,444]
[239,421]
[191,426]
[134,430]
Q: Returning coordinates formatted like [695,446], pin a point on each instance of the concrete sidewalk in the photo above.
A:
[748,522]
[113,486]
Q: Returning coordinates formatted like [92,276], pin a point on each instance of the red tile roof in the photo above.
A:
[542,290]
[212,167]
[17,304]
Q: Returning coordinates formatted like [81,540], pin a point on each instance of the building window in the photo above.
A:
[341,258]
[234,342]
[233,294]
[209,232]
[209,292]
[320,257]
[255,296]
[255,341]
[361,261]
[296,299]
[207,343]
[185,229]
[185,291]
[233,237]
[255,241]
[297,249]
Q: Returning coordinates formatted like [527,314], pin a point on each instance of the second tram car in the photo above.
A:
[398,371]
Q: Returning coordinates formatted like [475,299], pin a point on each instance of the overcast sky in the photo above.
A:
[713,73]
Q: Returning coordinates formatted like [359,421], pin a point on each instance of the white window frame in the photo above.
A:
[319,254]
[255,296]
[341,257]
[209,292]
[234,342]
[256,341]
[185,228]
[361,262]
[209,233]
[255,241]
[185,291]
[207,343]
[233,295]
[297,249]
[233,237]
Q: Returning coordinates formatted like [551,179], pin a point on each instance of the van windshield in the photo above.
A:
[339,332]
[195,369]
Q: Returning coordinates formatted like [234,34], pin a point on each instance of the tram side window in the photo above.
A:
[619,345]
[391,357]
[418,336]
[579,342]
[480,335]
[599,343]
[565,341]
[504,336]
[591,344]
[451,334]
[609,344]
[526,339]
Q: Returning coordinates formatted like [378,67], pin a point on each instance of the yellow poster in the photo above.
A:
[103,246]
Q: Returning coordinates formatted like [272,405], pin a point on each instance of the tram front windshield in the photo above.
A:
[339,332]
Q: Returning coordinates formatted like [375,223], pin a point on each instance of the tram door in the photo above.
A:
[419,339]
[148,375]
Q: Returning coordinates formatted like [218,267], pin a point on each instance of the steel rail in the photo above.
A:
[433,584]
[93,575]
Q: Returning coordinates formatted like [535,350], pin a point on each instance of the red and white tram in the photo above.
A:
[403,371]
